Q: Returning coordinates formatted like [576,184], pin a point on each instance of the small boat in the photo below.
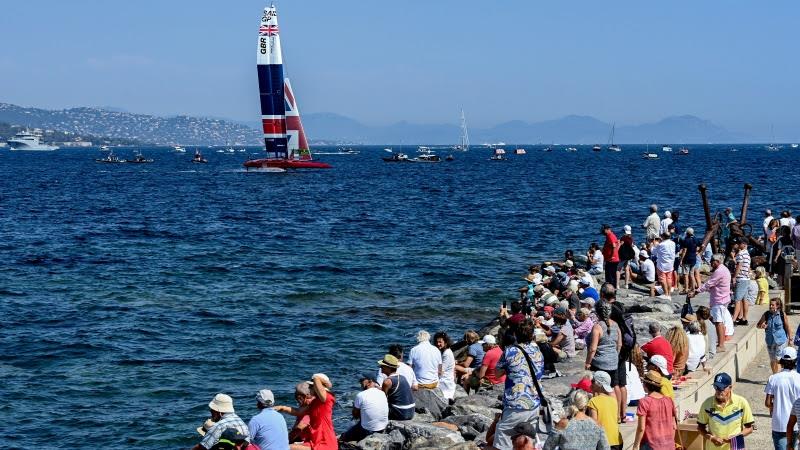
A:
[198,157]
[449,158]
[597,148]
[795,145]
[179,149]
[572,149]
[683,151]
[497,158]
[285,140]
[773,147]
[397,157]
[220,151]
[463,141]
[613,147]
[342,151]
[138,158]
[547,149]
[650,155]
[666,148]
[734,150]
[230,150]
[103,148]
[241,150]
[111,158]
[428,158]
[499,151]
[520,151]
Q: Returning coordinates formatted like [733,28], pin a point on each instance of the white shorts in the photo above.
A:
[719,313]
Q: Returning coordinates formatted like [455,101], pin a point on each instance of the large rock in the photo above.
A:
[467,409]
[479,422]
[420,435]
[430,401]
[378,441]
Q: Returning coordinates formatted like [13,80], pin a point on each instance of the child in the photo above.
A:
[763,285]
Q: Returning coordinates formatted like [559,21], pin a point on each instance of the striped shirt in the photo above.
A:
[743,258]
[726,421]
[229,420]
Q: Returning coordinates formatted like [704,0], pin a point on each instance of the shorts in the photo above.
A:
[740,292]
[665,278]
[622,373]
[611,373]
[775,351]
[504,430]
[718,313]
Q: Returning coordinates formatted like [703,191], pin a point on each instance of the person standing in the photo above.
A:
[782,389]
[652,224]
[655,428]
[426,360]
[663,227]
[605,342]
[718,286]
[741,278]
[689,262]
[776,332]
[268,427]
[603,409]
[370,408]
[665,263]
[724,417]
[520,397]
[610,255]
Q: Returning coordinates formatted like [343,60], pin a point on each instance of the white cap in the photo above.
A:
[627,229]
[667,214]
[660,362]
[488,339]
[265,397]
[789,354]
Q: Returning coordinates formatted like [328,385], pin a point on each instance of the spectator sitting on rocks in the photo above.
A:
[486,375]
[370,408]
[679,341]
[447,382]
[426,360]
[582,326]
[221,407]
[474,356]
[300,433]
[581,433]
[520,399]
[658,345]
[659,364]
[319,407]
[697,344]
[595,258]
[397,390]
[268,427]
[564,342]
[403,369]
[587,290]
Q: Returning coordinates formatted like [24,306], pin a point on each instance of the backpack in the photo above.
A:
[626,327]
[626,252]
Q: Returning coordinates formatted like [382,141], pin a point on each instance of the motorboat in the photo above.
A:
[666,148]
[683,151]
[423,149]
[103,148]
[179,149]
[597,148]
[572,149]
[397,157]
[428,158]
[795,145]
[138,158]
[28,141]
[198,158]
[111,158]
[520,151]
[650,155]
[547,149]
[449,158]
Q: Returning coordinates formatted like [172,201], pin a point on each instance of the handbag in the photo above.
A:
[545,425]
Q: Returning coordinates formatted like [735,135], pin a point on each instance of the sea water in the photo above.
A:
[131,294]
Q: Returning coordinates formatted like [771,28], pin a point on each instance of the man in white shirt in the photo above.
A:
[665,262]
[371,408]
[652,224]
[647,272]
[783,389]
[403,369]
[426,360]
[665,223]
[767,219]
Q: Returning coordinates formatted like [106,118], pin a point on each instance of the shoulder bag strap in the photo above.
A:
[542,399]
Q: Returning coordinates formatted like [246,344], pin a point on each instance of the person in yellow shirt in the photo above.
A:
[659,363]
[725,418]
[763,286]
[603,408]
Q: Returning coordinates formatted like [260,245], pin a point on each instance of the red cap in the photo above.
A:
[548,309]
[585,384]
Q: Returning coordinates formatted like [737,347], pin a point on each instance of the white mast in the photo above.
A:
[463,143]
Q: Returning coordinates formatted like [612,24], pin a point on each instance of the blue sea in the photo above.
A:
[131,294]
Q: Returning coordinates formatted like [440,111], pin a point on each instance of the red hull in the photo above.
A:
[285,164]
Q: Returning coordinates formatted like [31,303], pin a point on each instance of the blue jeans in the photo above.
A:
[779,440]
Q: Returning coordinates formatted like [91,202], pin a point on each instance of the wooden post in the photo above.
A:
[745,202]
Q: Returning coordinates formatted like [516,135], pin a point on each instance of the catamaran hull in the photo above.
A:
[285,164]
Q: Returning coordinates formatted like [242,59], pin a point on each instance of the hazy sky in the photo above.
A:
[733,62]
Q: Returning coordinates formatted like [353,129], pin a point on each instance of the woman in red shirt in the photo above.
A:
[319,408]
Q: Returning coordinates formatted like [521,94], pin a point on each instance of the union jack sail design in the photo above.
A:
[297,142]
[271,85]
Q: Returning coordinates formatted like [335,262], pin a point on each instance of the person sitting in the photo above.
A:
[233,439]
[268,427]
[563,343]
[485,376]
[403,369]
[221,407]
[319,407]
[370,408]
[300,433]
[658,345]
[582,326]
[474,356]
[398,392]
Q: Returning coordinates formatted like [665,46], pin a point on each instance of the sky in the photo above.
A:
[732,62]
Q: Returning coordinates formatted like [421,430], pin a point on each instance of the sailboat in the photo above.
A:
[198,157]
[284,138]
[463,142]
[773,147]
[613,147]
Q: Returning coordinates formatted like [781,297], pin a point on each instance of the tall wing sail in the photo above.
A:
[298,144]
[270,85]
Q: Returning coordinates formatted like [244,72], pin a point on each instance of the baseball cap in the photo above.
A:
[789,354]
[604,380]
[585,384]
[488,339]
[660,362]
[722,381]
[627,229]
[265,397]
[643,254]
[690,231]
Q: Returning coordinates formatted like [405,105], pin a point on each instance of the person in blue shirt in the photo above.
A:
[268,428]
[588,291]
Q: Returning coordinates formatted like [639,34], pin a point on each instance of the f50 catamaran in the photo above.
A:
[284,138]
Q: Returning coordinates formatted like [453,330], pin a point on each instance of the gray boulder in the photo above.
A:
[467,409]
[421,435]
[430,401]
[478,422]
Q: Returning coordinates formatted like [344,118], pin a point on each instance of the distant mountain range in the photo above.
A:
[333,128]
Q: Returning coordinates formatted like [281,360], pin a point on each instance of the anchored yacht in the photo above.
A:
[25,140]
